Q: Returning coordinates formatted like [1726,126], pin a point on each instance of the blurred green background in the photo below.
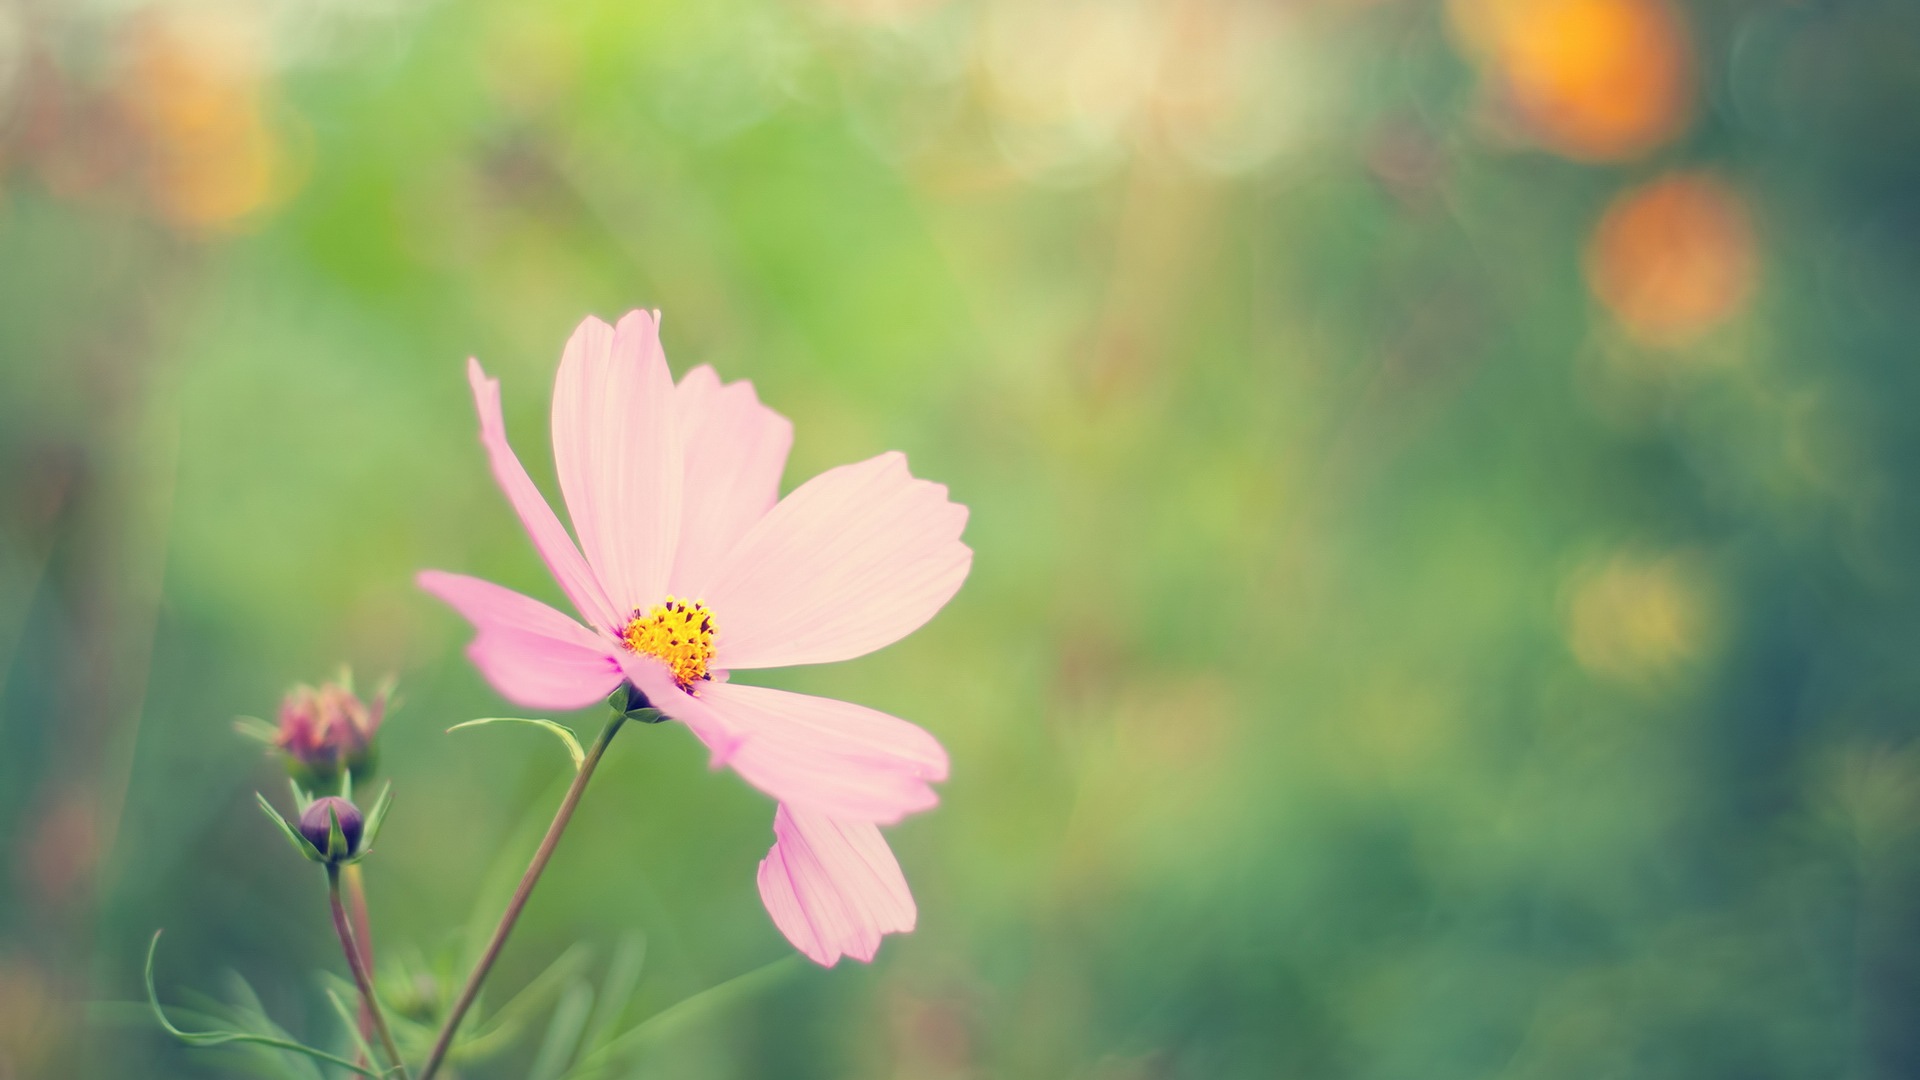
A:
[1443,483]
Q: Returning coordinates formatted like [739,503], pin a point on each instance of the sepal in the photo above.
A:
[628,701]
[300,843]
[375,818]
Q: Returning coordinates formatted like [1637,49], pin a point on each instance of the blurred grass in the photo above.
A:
[1405,638]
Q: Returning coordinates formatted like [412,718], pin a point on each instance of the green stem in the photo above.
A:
[444,1041]
[357,962]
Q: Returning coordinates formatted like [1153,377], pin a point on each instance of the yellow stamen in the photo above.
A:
[679,633]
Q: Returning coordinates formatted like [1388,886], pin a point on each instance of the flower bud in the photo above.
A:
[316,824]
[326,731]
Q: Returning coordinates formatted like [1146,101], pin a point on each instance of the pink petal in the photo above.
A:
[829,757]
[532,654]
[833,887]
[655,681]
[735,449]
[616,449]
[854,559]
[550,538]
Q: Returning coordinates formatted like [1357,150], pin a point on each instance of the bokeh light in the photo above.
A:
[1674,258]
[1595,80]
[1636,618]
[195,89]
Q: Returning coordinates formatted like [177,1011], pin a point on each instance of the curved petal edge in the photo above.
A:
[833,888]
[831,757]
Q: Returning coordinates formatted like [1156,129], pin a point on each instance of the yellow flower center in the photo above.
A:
[678,633]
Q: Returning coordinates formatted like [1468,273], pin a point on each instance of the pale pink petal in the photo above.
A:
[854,559]
[832,887]
[533,655]
[616,448]
[828,757]
[735,449]
[550,538]
[653,679]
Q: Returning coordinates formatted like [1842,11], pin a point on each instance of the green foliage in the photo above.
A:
[223,1038]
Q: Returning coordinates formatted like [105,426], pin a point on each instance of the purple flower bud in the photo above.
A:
[316,826]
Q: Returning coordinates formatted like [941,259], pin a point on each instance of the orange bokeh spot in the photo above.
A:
[195,91]
[1673,258]
[1593,80]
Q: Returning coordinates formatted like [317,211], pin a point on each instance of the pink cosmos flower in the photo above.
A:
[694,567]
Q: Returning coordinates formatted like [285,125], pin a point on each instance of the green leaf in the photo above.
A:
[352,1021]
[375,818]
[300,843]
[616,991]
[600,1060]
[563,1032]
[558,731]
[504,1026]
[219,1038]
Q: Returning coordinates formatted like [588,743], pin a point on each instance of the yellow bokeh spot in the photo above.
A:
[1634,618]
[1593,80]
[678,633]
[197,92]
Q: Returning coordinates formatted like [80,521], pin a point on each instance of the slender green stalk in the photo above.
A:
[444,1041]
[361,977]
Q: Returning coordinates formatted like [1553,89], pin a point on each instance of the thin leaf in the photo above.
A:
[558,731]
[352,1022]
[239,1058]
[221,1038]
[248,1014]
[616,992]
[375,818]
[599,1060]
[506,1022]
[300,843]
[563,1032]
[301,799]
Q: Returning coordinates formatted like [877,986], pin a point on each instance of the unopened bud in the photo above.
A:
[326,731]
[316,824]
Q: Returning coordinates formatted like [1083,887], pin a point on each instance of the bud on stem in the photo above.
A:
[319,822]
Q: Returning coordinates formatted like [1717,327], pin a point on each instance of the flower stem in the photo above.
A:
[357,962]
[357,907]
[362,934]
[444,1041]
